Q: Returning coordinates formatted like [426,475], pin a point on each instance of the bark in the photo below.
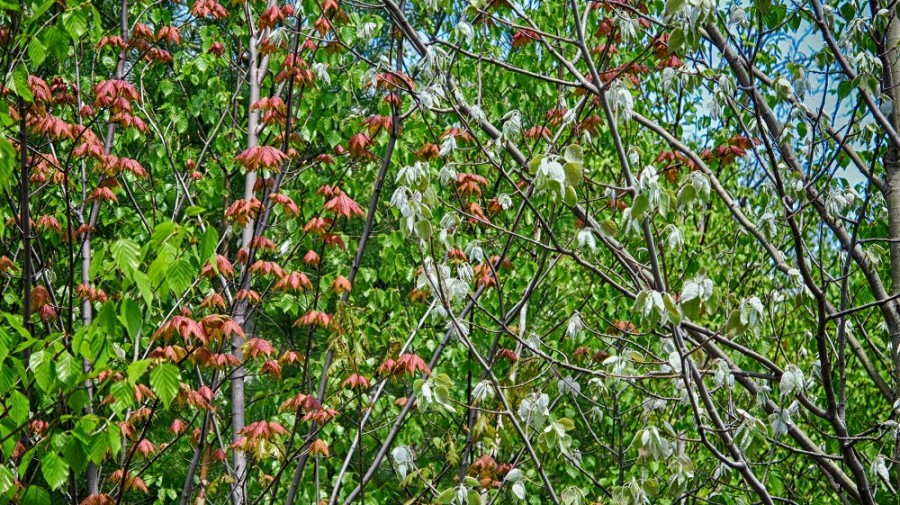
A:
[242,307]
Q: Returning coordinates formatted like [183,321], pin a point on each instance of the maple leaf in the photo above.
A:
[294,281]
[334,240]
[311,258]
[169,34]
[316,225]
[177,427]
[254,347]
[355,381]
[319,448]
[145,447]
[288,206]
[209,8]
[341,285]
[103,195]
[409,364]
[291,357]
[271,367]
[261,157]
[358,144]
[314,318]
[470,184]
[267,268]
[213,301]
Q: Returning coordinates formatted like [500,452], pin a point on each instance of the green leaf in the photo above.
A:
[127,255]
[19,83]
[424,229]
[68,368]
[36,52]
[165,381]
[35,495]
[574,154]
[136,370]
[54,469]
[570,198]
[208,244]
[672,309]
[574,173]
[143,284]
[180,276]
[19,409]
[7,162]
[6,480]
[446,496]
[641,204]
[75,22]
[130,317]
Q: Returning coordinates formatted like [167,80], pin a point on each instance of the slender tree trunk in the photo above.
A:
[242,307]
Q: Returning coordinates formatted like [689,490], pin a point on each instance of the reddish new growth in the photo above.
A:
[132,483]
[219,326]
[341,285]
[406,364]
[293,282]
[274,110]
[484,469]
[88,292]
[7,265]
[476,212]
[314,318]
[301,402]
[253,433]
[428,151]
[318,448]
[470,184]
[291,357]
[48,222]
[394,81]
[117,95]
[508,354]
[216,49]
[295,67]
[356,381]
[538,132]
[270,17]
[267,268]
[376,123]
[460,134]
[342,205]
[103,195]
[261,157]
[255,347]
[99,499]
[334,240]
[173,353]
[242,211]
[249,295]
[311,258]
[185,327]
[271,367]
[169,34]
[524,37]
[735,147]
[222,267]
[213,301]
[262,243]
[317,225]
[359,144]
[320,416]
[209,8]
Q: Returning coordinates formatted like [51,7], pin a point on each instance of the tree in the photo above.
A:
[420,252]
